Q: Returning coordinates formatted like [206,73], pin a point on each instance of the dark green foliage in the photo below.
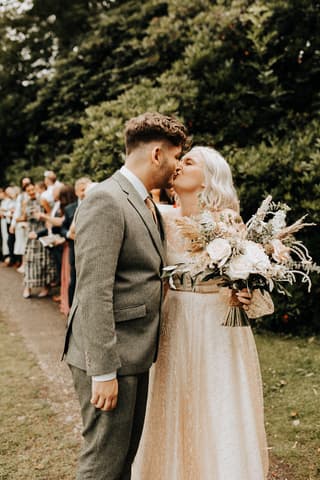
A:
[289,170]
[242,74]
[31,43]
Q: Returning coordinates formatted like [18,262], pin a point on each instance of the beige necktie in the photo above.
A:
[149,203]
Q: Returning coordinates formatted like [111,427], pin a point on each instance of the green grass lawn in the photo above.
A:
[35,445]
[291,376]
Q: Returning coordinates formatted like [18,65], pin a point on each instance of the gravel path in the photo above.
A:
[42,326]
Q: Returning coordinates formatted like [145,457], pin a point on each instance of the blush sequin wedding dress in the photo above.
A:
[204,417]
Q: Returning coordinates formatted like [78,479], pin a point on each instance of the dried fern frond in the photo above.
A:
[295,227]
[191,231]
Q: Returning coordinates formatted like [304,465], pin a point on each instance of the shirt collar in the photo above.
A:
[135,182]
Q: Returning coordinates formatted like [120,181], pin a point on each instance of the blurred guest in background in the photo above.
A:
[53,222]
[67,199]
[12,193]
[19,226]
[67,232]
[164,198]
[39,266]
[4,231]
[47,197]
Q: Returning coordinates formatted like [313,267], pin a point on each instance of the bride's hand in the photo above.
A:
[245,297]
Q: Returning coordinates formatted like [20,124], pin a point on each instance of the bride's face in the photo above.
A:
[191,176]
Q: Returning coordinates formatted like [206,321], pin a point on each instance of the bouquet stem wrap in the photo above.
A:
[236,316]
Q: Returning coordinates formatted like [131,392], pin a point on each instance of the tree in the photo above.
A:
[34,36]
[242,74]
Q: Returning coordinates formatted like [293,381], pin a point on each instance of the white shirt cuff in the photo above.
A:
[105,378]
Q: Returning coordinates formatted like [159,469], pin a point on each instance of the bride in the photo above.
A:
[205,410]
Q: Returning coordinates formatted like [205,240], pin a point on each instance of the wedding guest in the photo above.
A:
[39,266]
[19,226]
[67,198]
[82,187]
[40,189]
[53,222]
[4,229]
[69,234]
[50,180]
[1,198]
[12,194]
[164,198]
[89,187]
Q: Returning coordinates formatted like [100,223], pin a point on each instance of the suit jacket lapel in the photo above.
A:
[138,204]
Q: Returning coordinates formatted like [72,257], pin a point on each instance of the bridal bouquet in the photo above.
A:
[263,254]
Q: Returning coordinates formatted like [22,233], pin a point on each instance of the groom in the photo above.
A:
[113,326]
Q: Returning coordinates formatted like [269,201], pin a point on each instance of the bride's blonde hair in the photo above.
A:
[219,192]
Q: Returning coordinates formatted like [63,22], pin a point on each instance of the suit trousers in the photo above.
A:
[111,439]
[11,242]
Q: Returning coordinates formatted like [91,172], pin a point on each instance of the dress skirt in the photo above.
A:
[21,238]
[4,234]
[205,409]
[65,280]
[40,268]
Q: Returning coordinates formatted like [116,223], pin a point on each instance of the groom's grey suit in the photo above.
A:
[114,320]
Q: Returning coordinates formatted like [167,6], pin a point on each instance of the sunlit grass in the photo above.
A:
[291,375]
[34,444]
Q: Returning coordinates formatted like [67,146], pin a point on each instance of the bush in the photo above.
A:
[288,169]
[101,149]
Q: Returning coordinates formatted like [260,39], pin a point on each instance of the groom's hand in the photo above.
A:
[105,394]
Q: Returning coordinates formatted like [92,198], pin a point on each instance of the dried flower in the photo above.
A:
[261,254]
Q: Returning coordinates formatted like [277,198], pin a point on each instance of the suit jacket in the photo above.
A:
[69,212]
[114,320]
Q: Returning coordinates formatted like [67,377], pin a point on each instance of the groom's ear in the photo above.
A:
[156,155]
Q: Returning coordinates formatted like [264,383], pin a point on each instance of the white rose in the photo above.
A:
[259,259]
[253,260]
[219,251]
[239,268]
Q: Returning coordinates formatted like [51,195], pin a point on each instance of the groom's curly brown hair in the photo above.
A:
[152,126]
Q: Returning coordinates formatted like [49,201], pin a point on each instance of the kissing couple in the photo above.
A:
[203,416]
